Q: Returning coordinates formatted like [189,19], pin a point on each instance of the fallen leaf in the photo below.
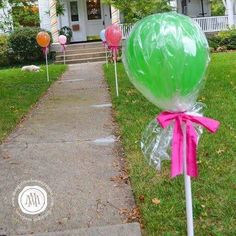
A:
[141,198]
[220,151]
[6,157]
[123,211]
[156,201]
[124,178]
[132,215]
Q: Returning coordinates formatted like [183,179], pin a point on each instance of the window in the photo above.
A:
[94,9]
[74,11]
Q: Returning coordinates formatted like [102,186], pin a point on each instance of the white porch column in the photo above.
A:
[115,15]
[230,12]
[53,20]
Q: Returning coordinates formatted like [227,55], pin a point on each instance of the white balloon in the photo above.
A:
[102,35]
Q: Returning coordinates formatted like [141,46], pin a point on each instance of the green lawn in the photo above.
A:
[19,91]
[214,192]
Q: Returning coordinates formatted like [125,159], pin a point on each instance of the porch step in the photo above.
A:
[85,45]
[85,60]
[82,50]
[82,53]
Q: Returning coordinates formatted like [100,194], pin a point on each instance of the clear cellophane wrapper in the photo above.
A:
[156,142]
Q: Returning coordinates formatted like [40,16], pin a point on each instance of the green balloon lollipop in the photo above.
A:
[166,56]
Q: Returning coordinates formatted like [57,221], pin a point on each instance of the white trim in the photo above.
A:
[230,12]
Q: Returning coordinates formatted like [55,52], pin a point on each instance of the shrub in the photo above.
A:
[214,41]
[4,48]
[224,39]
[217,8]
[24,46]
[228,39]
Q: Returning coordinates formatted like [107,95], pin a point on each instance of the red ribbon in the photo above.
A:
[165,119]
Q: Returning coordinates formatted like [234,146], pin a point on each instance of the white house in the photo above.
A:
[87,18]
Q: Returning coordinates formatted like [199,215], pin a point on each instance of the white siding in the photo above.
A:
[5,17]
[45,22]
[234,5]
[194,8]
[2,19]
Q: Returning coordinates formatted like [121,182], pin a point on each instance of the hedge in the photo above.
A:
[4,49]
[24,46]
[225,40]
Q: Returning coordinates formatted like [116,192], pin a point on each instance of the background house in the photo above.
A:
[192,8]
[87,18]
[6,23]
[18,14]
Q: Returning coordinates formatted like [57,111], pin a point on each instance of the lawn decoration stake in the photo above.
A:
[62,40]
[166,57]
[113,36]
[103,38]
[43,40]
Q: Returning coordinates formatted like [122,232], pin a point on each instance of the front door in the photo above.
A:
[98,17]
[77,20]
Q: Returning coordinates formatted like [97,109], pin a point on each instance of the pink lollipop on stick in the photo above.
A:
[62,40]
[113,36]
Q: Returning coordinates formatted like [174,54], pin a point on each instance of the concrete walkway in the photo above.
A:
[68,143]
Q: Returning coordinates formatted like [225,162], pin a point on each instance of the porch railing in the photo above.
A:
[125,28]
[208,24]
[212,23]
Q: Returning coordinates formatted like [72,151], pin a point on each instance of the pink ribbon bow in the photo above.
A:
[115,50]
[165,119]
[45,50]
[63,47]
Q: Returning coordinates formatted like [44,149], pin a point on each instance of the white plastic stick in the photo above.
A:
[188,191]
[46,53]
[117,90]
[64,52]
[106,56]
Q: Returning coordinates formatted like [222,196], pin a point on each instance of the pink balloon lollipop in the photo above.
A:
[62,39]
[113,35]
